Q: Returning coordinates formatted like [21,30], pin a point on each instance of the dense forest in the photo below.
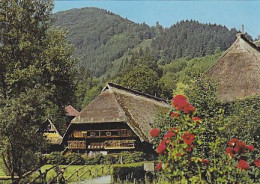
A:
[151,59]
[100,36]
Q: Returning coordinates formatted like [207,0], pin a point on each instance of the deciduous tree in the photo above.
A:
[35,77]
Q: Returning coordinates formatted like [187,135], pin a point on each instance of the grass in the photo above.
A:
[71,169]
[2,173]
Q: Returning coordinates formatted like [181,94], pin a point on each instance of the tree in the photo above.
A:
[142,79]
[36,80]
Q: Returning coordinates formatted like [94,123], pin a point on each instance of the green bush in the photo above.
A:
[55,158]
[75,159]
[129,157]
[128,173]
[109,159]
[98,159]
[89,161]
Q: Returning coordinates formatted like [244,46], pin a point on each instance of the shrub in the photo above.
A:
[191,150]
[55,158]
[98,159]
[89,161]
[75,159]
[128,173]
[109,159]
[131,157]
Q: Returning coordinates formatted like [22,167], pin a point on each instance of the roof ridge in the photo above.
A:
[243,36]
[135,92]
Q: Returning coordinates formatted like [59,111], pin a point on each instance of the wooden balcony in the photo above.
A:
[102,133]
[77,145]
[113,144]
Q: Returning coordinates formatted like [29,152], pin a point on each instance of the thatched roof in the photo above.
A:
[257,43]
[116,104]
[238,71]
[50,132]
[71,111]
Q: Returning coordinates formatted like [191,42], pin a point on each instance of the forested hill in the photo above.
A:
[193,39]
[100,36]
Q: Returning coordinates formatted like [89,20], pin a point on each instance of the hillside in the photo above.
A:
[99,36]
[193,39]
[102,38]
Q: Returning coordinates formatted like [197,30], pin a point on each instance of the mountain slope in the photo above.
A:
[100,36]
[105,41]
[193,39]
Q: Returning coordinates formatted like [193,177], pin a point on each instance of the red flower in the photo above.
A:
[175,129]
[189,109]
[189,148]
[161,147]
[174,114]
[178,155]
[233,142]
[243,165]
[240,147]
[169,135]
[257,162]
[205,161]
[155,132]
[197,120]
[158,167]
[188,138]
[251,147]
[179,101]
[179,98]
[229,151]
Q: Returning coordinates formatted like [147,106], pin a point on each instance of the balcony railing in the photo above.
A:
[102,133]
[77,145]
[113,144]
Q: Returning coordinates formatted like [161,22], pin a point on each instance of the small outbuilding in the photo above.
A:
[52,135]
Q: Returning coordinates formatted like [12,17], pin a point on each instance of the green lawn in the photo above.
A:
[73,168]
[2,173]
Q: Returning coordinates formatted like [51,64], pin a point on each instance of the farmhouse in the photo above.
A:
[52,135]
[118,119]
[238,71]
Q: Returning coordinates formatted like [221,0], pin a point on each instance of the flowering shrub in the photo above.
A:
[182,144]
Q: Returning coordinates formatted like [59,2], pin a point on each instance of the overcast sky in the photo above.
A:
[228,13]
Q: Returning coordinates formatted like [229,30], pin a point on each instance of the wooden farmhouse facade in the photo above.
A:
[118,119]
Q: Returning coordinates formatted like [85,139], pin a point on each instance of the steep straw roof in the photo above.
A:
[71,111]
[117,104]
[238,71]
[53,136]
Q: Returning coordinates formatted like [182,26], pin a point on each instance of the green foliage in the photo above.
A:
[211,138]
[55,158]
[179,74]
[131,157]
[193,39]
[89,161]
[91,94]
[142,79]
[109,159]
[100,36]
[128,172]
[74,158]
[36,72]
